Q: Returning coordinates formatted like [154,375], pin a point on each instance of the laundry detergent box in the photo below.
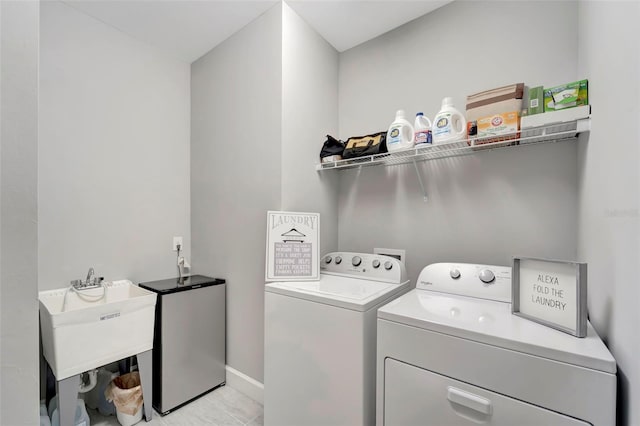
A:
[498,127]
[495,101]
[566,96]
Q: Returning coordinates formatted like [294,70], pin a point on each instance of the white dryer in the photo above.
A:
[320,341]
[451,352]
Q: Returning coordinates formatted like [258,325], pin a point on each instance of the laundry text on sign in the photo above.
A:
[309,221]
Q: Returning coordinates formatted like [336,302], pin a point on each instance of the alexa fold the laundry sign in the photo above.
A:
[547,292]
[552,292]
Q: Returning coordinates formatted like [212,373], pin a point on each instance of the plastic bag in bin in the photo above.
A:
[126,393]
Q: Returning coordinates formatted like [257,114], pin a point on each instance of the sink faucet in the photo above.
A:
[89,275]
[90,282]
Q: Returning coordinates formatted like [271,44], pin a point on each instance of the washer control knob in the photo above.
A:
[376,263]
[486,276]
[356,261]
[327,259]
[338,260]
[388,265]
[454,273]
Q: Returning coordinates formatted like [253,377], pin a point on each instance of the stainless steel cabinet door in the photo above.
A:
[193,343]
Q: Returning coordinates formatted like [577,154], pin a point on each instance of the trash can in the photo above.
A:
[126,393]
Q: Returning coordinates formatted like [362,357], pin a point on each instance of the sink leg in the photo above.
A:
[67,399]
[145,367]
[51,384]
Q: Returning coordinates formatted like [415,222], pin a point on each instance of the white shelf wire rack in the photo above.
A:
[554,132]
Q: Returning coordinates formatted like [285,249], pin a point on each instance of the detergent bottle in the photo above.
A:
[422,129]
[400,134]
[449,125]
[81,416]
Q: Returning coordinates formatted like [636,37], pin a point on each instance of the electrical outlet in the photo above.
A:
[399,254]
[176,241]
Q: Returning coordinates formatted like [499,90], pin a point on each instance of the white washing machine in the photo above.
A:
[320,341]
[451,352]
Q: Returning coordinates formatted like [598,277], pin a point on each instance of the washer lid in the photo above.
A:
[492,322]
[350,293]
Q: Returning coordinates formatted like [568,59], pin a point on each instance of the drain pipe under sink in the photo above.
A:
[90,376]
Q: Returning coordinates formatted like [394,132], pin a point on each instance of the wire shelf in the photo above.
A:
[425,152]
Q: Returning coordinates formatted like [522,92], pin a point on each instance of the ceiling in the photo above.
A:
[188,29]
[348,23]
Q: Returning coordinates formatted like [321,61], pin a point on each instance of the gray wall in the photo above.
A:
[19,388]
[113,152]
[309,112]
[609,160]
[483,208]
[236,104]
[256,136]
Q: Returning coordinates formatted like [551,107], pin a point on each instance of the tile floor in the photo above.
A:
[224,406]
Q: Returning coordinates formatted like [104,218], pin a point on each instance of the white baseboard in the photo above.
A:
[245,384]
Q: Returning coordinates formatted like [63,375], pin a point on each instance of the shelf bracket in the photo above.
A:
[424,193]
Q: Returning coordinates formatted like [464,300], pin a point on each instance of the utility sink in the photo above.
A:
[86,335]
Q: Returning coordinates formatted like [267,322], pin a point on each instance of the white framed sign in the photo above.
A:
[292,246]
[551,292]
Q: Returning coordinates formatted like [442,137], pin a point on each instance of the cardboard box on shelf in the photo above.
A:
[536,100]
[495,101]
[553,117]
[566,96]
[547,126]
[498,127]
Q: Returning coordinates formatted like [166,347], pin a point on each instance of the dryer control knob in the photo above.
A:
[327,259]
[454,273]
[486,276]
[338,260]
[376,263]
[356,261]
[388,265]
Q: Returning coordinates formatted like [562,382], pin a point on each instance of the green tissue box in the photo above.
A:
[536,100]
[566,96]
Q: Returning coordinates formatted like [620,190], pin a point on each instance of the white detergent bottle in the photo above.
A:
[81,419]
[400,134]
[449,124]
[422,129]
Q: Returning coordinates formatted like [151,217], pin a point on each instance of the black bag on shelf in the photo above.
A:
[331,149]
[360,146]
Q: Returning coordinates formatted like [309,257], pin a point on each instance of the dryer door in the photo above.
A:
[413,396]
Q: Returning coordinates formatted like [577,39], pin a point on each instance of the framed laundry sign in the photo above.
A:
[292,246]
[551,292]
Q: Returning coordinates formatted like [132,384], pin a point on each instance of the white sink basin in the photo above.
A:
[87,335]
